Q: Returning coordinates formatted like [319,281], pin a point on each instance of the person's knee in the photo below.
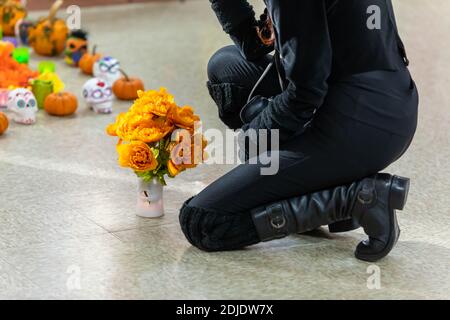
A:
[225,84]
[229,99]
[196,224]
[211,230]
[218,62]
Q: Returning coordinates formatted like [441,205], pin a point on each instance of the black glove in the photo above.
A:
[253,108]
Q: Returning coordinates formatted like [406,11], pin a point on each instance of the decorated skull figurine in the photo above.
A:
[23,105]
[98,95]
[107,68]
[76,47]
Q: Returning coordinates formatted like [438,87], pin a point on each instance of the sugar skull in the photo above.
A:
[23,105]
[107,68]
[76,47]
[3,98]
[98,95]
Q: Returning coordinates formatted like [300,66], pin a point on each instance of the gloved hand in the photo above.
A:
[248,115]
[253,108]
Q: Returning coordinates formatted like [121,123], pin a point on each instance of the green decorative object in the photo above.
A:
[21,55]
[48,66]
[41,89]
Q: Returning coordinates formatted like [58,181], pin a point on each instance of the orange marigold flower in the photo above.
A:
[183,117]
[188,154]
[153,102]
[146,128]
[173,169]
[153,130]
[152,117]
[137,155]
[112,128]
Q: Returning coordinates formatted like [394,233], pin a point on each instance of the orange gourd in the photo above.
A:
[61,104]
[11,12]
[126,88]
[4,123]
[87,61]
[48,36]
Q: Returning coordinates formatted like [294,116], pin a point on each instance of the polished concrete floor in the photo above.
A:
[67,222]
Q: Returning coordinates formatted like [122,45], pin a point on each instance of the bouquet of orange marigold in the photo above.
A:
[157,138]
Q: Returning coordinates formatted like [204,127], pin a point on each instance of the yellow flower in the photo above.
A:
[188,154]
[112,128]
[147,128]
[173,169]
[137,155]
[153,102]
[183,117]
[153,117]
[145,121]
[58,85]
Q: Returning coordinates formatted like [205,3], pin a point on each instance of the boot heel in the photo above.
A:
[399,192]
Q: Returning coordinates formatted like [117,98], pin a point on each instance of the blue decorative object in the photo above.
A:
[11,40]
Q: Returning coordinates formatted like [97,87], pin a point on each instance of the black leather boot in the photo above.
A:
[370,203]
[344,226]
[377,202]
[304,213]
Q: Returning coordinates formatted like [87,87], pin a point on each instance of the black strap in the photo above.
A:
[276,61]
[280,69]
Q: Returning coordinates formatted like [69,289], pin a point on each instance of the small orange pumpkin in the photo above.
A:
[61,104]
[10,13]
[87,61]
[4,123]
[126,88]
[48,36]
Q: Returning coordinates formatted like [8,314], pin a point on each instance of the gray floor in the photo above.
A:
[67,223]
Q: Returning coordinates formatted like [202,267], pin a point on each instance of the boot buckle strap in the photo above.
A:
[367,194]
[276,217]
[271,222]
[365,197]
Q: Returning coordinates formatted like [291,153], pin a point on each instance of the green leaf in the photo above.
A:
[146,176]
[162,180]
[155,152]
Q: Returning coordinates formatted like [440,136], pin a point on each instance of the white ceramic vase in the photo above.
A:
[150,202]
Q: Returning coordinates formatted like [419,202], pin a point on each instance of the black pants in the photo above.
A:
[366,123]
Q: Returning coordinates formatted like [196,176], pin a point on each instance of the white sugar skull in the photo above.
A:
[98,95]
[107,68]
[23,106]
